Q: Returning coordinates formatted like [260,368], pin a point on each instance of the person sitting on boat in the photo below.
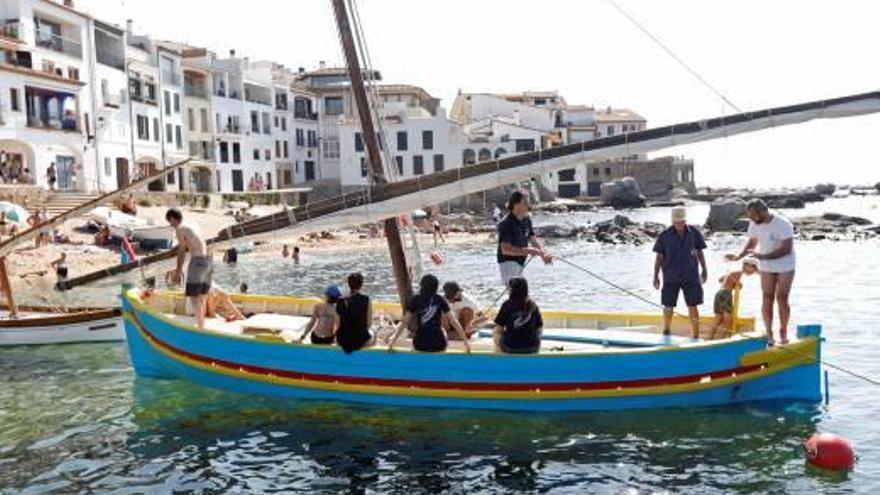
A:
[771,241]
[200,268]
[355,315]
[325,321]
[724,297]
[7,227]
[515,233]
[60,267]
[427,314]
[518,324]
[220,303]
[464,310]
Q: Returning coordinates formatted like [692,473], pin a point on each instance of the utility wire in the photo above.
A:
[672,54]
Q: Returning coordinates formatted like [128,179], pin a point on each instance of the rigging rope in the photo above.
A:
[672,54]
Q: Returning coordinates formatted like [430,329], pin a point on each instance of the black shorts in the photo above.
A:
[692,289]
[322,340]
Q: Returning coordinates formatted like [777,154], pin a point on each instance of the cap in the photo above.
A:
[750,261]
[679,214]
[333,292]
[450,289]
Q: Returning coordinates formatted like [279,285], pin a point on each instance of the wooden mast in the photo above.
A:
[392,233]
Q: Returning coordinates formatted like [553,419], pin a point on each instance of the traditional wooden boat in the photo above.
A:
[605,361]
[43,325]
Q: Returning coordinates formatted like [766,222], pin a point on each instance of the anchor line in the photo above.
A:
[837,367]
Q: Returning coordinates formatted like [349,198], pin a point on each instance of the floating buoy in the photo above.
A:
[436,258]
[829,451]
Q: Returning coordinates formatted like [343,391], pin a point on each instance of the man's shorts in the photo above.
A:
[198,276]
[692,289]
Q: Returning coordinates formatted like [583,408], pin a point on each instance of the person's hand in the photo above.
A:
[467,347]
[731,257]
[547,258]
[656,282]
[704,277]
[173,277]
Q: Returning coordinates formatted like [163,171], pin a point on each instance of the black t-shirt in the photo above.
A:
[354,329]
[521,325]
[429,334]
[516,233]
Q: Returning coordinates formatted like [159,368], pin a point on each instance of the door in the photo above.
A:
[65,172]
[310,170]
[237,181]
[122,174]
[594,188]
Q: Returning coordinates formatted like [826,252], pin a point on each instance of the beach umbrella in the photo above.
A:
[13,211]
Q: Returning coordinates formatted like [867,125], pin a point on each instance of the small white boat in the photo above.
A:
[139,229]
[37,325]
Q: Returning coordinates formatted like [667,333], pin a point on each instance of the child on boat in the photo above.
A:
[464,310]
[218,303]
[325,321]
[427,314]
[518,324]
[724,297]
[355,316]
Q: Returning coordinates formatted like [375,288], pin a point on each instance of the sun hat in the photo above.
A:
[679,214]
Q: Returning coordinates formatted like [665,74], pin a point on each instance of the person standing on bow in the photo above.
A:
[679,251]
[515,234]
[771,242]
[200,269]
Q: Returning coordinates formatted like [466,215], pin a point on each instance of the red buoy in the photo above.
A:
[436,258]
[829,451]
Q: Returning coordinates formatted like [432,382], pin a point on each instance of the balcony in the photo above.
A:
[195,91]
[170,78]
[59,44]
[11,30]
[305,115]
[230,129]
[201,150]
[51,110]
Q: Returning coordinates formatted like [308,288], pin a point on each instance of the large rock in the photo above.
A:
[724,214]
[623,193]
[825,189]
[877,186]
[555,231]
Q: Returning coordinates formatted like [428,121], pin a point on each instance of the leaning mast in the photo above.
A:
[392,233]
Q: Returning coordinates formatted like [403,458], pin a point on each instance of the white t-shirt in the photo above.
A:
[770,236]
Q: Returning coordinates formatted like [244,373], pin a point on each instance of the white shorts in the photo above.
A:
[509,270]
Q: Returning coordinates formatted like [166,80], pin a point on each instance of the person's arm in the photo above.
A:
[701,257]
[658,264]
[181,255]
[748,248]
[496,337]
[309,326]
[784,249]
[538,244]
[453,321]
[509,249]
[404,323]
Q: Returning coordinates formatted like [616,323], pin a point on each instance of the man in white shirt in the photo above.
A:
[771,241]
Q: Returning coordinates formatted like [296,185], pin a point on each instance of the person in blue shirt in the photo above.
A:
[679,251]
[515,234]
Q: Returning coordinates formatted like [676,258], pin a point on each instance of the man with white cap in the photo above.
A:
[679,251]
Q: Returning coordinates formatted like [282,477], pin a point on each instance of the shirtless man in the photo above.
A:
[200,268]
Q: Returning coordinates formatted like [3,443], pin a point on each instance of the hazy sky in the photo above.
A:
[759,53]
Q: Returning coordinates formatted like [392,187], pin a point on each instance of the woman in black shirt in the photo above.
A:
[518,325]
[427,314]
[355,317]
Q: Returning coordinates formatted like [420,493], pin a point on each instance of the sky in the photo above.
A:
[758,53]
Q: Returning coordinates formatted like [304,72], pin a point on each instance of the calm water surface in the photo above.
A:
[74,419]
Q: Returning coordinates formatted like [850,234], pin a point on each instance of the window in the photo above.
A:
[268,155]
[156,136]
[150,90]
[224,152]
[277,124]
[330,147]
[237,181]
[283,123]
[191,119]
[169,133]
[13,100]
[427,140]
[73,73]
[286,150]
[300,137]
[609,130]
[468,157]
[438,163]
[312,139]
[203,113]
[595,170]
[358,141]
[178,137]
[607,170]
[108,168]
[567,175]
[167,103]
[333,105]
[176,102]
[170,178]
[418,165]
[143,128]
[236,152]
[402,141]
[255,121]
[363,167]
[523,145]
[256,154]
[267,123]
[277,148]
[398,160]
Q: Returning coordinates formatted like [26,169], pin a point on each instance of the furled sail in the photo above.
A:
[383,201]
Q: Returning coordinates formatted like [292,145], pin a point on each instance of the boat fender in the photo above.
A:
[436,258]
[829,451]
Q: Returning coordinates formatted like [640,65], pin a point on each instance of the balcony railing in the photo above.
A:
[305,115]
[195,91]
[59,44]
[230,129]
[11,29]
[53,123]
[170,78]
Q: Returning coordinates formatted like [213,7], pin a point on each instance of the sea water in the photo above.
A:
[74,419]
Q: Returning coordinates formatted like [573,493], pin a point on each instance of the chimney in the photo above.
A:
[129,28]
[232,53]
[322,65]
[301,70]
[516,117]
[68,4]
